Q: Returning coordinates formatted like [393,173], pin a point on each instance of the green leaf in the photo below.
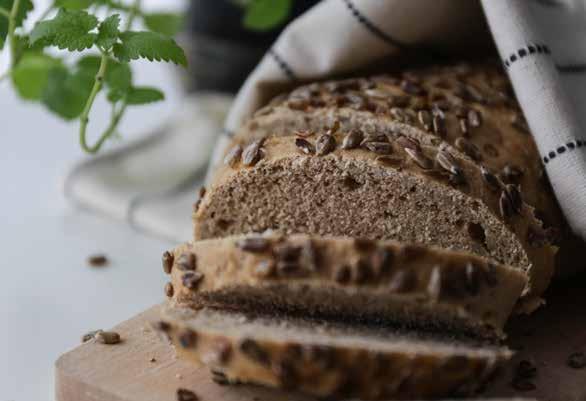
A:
[149,45]
[66,93]
[264,15]
[30,75]
[108,32]
[116,95]
[68,30]
[166,23]
[24,7]
[144,95]
[74,4]
[118,76]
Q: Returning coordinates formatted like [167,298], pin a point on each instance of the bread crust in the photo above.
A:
[241,350]
[474,193]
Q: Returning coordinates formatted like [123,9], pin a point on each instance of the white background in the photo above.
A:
[49,296]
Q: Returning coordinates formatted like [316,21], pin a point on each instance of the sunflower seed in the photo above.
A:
[97,260]
[253,244]
[468,148]
[89,336]
[490,178]
[191,280]
[447,162]
[425,119]
[187,261]
[186,395]
[107,337]
[169,290]
[304,146]
[352,140]
[474,118]
[232,158]
[325,144]
[252,153]
[381,148]
[419,158]
[434,284]
[167,262]
[514,196]
[439,125]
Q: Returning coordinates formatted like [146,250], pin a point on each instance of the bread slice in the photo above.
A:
[389,189]
[326,359]
[416,286]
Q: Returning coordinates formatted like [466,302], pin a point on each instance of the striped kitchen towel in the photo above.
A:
[539,42]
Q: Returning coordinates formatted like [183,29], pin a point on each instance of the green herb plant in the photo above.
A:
[264,15]
[67,84]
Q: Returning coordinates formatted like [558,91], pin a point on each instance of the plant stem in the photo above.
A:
[11,29]
[132,13]
[4,12]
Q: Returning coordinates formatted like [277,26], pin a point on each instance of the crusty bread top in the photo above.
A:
[433,164]
[350,278]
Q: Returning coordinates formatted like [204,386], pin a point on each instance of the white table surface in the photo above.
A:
[49,296]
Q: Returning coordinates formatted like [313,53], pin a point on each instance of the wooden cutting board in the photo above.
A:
[144,368]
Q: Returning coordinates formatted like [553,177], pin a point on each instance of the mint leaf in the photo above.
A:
[264,15]
[166,23]
[30,75]
[68,30]
[149,45]
[24,7]
[144,95]
[66,93]
[74,4]
[108,32]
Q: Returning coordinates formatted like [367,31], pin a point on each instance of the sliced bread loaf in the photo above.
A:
[329,359]
[334,184]
[416,286]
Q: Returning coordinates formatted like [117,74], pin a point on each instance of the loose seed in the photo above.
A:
[187,262]
[577,360]
[304,146]
[167,262]
[97,260]
[253,244]
[325,144]
[419,158]
[425,119]
[252,153]
[352,140]
[107,337]
[468,148]
[89,336]
[191,280]
[186,395]
[233,156]
[381,148]
[490,178]
[169,290]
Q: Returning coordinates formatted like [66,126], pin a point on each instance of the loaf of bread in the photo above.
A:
[410,285]
[328,359]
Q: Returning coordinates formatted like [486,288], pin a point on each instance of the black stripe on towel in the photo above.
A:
[376,31]
[283,65]
[568,147]
[529,50]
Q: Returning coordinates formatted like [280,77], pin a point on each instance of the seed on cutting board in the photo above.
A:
[352,140]
[169,290]
[253,244]
[233,156]
[107,337]
[97,260]
[305,146]
[325,144]
[577,360]
[187,261]
[191,280]
[168,262]
[186,395]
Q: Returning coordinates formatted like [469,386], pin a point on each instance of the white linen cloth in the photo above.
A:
[338,37]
